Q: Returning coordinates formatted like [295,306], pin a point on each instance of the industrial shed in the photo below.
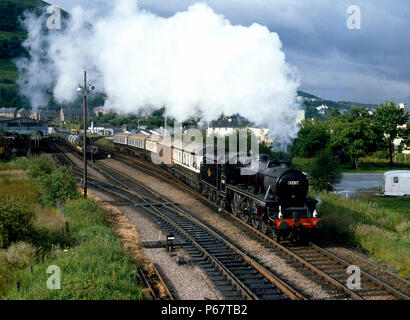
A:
[24,126]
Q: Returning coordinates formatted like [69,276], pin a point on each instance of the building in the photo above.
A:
[322,109]
[45,115]
[100,111]
[24,126]
[222,127]
[23,113]
[71,115]
[103,130]
[406,127]
[300,116]
[8,112]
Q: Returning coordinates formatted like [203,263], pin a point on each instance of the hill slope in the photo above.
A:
[11,37]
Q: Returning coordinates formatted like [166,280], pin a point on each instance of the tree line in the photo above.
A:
[355,134]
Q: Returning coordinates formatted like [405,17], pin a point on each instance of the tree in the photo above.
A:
[312,137]
[388,119]
[325,170]
[356,138]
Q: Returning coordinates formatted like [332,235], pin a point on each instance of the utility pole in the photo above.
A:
[83,90]
[85,134]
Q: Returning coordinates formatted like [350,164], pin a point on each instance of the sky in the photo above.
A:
[369,65]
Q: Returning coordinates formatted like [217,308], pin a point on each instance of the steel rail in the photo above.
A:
[293,294]
[289,252]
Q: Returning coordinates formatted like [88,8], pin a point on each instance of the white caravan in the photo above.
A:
[396,183]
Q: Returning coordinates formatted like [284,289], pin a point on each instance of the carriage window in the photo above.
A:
[395,179]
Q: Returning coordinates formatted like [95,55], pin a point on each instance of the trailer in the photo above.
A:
[396,183]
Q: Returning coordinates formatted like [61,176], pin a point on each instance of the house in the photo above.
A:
[8,112]
[100,111]
[300,116]
[222,127]
[23,113]
[71,115]
[45,115]
[406,127]
[322,109]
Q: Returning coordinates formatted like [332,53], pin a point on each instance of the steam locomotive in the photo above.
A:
[268,194]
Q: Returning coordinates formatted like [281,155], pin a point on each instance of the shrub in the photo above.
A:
[20,254]
[16,220]
[325,171]
[39,167]
[58,186]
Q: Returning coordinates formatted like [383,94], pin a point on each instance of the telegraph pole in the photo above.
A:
[85,134]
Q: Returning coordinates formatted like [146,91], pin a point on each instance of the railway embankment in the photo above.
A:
[55,245]
[378,226]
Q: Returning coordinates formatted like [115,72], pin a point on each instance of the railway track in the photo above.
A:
[321,262]
[233,271]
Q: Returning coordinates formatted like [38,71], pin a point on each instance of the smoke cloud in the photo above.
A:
[194,62]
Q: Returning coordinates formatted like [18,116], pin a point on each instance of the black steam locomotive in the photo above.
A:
[267,193]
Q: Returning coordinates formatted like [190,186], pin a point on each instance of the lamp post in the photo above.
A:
[84,90]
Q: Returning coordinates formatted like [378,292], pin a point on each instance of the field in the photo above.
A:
[367,164]
[378,225]
[76,237]
[8,73]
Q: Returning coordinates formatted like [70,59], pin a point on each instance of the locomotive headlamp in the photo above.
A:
[315,214]
[280,215]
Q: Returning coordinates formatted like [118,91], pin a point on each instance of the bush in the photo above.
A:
[56,183]
[16,220]
[39,167]
[325,171]
[20,254]
[58,186]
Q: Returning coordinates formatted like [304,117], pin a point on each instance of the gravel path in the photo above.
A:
[189,282]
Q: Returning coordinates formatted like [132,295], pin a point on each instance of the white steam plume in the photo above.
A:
[193,62]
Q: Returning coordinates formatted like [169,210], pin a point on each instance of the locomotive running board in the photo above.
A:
[258,198]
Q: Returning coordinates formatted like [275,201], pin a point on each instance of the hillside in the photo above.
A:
[11,37]
[311,102]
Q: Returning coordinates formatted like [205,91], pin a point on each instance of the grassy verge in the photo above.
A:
[366,165]
[381,226]
[105,142]
[93,267]
[90,257]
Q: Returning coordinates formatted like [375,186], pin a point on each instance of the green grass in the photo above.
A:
[18,164]
[105,142]
[95,267]
[7,35]
[366,165]
[381,226]
[90,256]
[8,73]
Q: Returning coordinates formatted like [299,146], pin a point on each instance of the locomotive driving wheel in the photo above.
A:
[275,235]
[235,205]
[264,228]
[245,217]
[256,220]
